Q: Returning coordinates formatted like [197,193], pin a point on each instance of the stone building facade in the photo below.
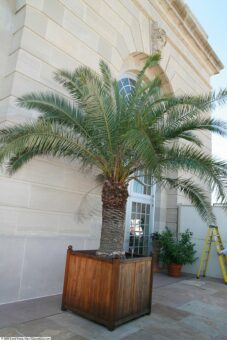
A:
[51,203]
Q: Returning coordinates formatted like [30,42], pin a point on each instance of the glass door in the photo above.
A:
[140,217]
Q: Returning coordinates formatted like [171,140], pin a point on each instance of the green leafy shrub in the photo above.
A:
[179,250]
[156,236]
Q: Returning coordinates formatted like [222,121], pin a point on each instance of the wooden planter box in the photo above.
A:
[108,291]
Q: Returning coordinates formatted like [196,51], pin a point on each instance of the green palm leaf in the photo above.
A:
[196,195]
[146,131]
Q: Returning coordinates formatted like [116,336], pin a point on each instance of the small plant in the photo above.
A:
[177,250]
[156,236]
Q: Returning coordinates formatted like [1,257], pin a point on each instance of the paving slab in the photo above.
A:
[91,330]
[46,328]
[10,332]
[23,311]
[170,312]
[210,328]
[210,311]
[183,308]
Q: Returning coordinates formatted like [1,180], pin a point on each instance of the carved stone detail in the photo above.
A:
[158,37]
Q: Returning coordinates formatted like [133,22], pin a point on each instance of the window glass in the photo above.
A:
[145,188]
[126,85]
[139,229]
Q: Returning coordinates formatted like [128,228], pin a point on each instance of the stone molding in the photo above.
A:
[177,14]
[158,37]
[191,25]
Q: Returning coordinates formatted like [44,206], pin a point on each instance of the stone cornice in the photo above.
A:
[180,18]
[193,28]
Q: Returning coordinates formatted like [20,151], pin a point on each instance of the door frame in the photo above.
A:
[139,198]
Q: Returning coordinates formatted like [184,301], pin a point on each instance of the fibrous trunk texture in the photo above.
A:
[114,198]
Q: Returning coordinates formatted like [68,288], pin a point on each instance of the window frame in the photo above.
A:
[135,196]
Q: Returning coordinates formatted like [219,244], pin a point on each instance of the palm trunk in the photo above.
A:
[114,198]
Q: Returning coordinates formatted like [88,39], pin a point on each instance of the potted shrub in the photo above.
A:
[123,135]
[156,236]
[176,251]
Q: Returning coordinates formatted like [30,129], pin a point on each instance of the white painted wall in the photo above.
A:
[189,218]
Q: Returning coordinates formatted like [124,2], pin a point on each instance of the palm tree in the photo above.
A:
[144,134]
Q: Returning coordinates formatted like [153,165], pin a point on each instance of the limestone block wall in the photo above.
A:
[44,207]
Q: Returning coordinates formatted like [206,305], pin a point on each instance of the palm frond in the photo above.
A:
[151,62]
[55,108]
[196,162]
[71,84]
[76,83]
[179,109]
[42,138]
[16,161]
[106,76]
[183,129]
[196,195]
[145,131]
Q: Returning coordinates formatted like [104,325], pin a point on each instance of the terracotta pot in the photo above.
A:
[174,269]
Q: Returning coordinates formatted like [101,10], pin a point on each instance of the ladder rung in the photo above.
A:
[213,237]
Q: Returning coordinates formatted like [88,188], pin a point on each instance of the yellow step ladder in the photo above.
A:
[213,238]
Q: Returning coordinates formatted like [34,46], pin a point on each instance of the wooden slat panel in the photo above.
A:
[110,292]
[89,285]
[97,281]
[142,286]
[125,289]
[78,284]
[105,288]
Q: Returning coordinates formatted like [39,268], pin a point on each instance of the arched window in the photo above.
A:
[126,84]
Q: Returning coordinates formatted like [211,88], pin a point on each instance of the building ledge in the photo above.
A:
[191,26]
